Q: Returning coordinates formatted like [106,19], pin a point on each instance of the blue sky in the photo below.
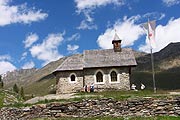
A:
[36,32]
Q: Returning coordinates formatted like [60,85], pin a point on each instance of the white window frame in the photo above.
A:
[95,81]
[70,78]
[118,77]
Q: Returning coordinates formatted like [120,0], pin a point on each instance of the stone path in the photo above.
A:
[174,93]
[55,97]
[50,97]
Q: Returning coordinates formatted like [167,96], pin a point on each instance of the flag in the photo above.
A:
[150,27]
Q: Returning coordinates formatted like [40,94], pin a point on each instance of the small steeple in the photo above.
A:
[116,43]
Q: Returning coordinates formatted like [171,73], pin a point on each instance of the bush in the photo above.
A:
[15,88]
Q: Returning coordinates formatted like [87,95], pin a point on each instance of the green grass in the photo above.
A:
[40,88]
[124,95]
[12,99]
[117,95]
[1,98]
[118,118]
[18,105]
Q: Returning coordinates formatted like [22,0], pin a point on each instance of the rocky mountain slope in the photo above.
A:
[167,59]
[17,75]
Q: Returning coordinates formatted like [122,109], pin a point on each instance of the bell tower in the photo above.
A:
[116,43]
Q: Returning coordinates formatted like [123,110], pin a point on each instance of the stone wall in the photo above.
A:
[65,86]
[93,108]
[88,76]
[123,82]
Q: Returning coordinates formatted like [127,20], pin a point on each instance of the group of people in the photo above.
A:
[133,87]
[89,88]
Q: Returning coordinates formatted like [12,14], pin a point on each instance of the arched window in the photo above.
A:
[99,77]
[113,76]
[73,78]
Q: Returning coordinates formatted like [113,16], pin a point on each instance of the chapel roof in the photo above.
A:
[74,62]
[98,58]
[109,58]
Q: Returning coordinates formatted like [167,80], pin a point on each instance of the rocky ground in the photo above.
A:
[96,107]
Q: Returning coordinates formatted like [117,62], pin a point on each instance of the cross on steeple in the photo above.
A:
[116,43]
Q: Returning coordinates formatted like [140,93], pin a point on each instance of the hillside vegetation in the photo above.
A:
[8,98]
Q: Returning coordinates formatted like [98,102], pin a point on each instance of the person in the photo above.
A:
[133,87]
[142,86]
[85,88]
[92,87]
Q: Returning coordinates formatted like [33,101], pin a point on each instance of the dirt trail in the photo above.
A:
[50,97]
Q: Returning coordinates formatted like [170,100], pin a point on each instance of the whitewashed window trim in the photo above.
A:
[95,80]
[118,77]
[70,78]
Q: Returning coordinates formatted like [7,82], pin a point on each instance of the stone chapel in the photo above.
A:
[106,69]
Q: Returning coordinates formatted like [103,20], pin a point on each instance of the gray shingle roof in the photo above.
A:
[99,58]
[74,62]
[108,58]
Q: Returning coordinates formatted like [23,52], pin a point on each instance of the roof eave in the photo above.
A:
[110,66]
[68,70]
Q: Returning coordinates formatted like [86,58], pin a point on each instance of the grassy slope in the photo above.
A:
[40,82]
[42,87]
[8,98]
[1,98]
[42,73]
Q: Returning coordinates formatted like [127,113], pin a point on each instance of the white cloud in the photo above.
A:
[72,48]
[28,65]
[87,6]
[5,57]
[6,66]
[18,13]
[48,50]
[154,15]
[171,2]
[30,39]
[92,4]
[127,30]
[164,35]
[86,25]
[75,36]
[23,56]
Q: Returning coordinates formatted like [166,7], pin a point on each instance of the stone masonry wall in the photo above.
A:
[122,84]
[97,107]
[88,76]
[65,86]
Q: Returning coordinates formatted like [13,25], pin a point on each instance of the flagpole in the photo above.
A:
[152,63]
[153,73]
